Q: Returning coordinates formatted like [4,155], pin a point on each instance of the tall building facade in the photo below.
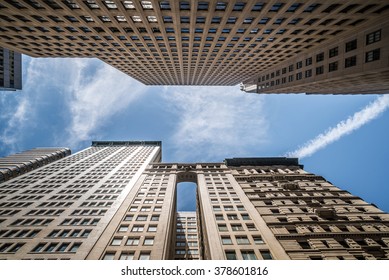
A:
[116,200]
[325,45]
[10,69]
[18,164]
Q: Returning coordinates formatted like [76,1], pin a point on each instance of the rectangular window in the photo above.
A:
[333,66]
[308,61]
[132,241]
[242,240]
[320,57]
[266,255]
[222,227]
[352,45]
[109,256]
[333,52]
[299,75]
[137,228]
[249,255]
[372,55]
[373,37]
[258,240]
[319,70]
[144,256]
[230,255]
[148,241]
[308,73]
[350,61]
[236,227]
[127,256]
[226,240]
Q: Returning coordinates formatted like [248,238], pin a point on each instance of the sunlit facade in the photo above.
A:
[117,200]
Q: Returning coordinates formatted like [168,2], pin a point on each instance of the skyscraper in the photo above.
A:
[269,46]
[10,70]
[116,200]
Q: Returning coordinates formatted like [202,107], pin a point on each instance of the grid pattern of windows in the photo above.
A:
[152,43]
[89,183]
[310,217]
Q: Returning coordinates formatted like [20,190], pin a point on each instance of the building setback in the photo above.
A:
[116,200]
[17,164]
[325,46]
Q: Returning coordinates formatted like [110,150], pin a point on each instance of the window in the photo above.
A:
[216,208]
[222,227]
[352,45]
[155,218]
[350,61]
[291,68]
[304,245]
[333,52]
[249,255]
[116,242]
[142,218]
[148,241]
[372,55]
[308,61]
[308,73]
[152,228]
[132,241]
[232,217]
[123,228]
[226,240]
[320,57]
[109,256]
[258,240]
[242,240]
[75,247]
[144,256]
[333,66]
[319,70]
[230,255]
[299,64]
[266,255]
[219,217]
[137,228]
[127,256]
[373,37]
[236,227]
[251,227]
[245,217]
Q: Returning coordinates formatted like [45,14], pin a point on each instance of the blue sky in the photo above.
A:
[70,102]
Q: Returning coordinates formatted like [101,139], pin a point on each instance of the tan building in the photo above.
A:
[116,200]
[214,42]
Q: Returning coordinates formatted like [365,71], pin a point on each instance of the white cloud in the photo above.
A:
[75,96]
[345,127]
[213,122]
[95,99]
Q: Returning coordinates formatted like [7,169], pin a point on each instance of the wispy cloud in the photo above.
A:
[68,100]
[95,98]
[345,127]
[214,122]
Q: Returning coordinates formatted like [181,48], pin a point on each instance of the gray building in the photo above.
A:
[117,200]
[10,70]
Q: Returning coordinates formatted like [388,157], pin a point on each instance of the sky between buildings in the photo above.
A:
[70,102]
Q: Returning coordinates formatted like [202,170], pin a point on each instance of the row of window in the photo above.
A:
[56,247]
[236,227]
[248,255]
[132,241]
[242,240]
[143,255]
[138,228]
